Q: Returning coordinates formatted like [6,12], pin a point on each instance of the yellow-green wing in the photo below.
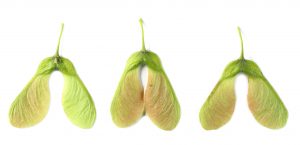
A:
[161,103]
[219,107]
[31,105]
[77,102]
[265,104]
[128,103]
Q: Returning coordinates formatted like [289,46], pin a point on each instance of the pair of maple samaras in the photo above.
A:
[158,101]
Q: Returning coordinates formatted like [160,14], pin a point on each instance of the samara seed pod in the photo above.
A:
[263,101]
[31,105]
[159,101]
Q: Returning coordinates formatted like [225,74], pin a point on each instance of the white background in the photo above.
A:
[195,40]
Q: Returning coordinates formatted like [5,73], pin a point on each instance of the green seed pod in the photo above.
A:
[263,101]
[159,101]
[31,105]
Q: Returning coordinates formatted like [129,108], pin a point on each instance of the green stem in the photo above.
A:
[143,40]
[61,31]
[242,44]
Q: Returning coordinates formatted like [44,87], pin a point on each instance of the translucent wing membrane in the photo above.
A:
[161,104]
[219,107]
[265,104]
[31,105]
[77,102]
[128,103]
